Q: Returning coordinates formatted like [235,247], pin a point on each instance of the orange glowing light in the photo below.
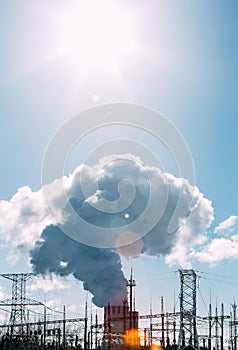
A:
[132,338]
[154,346]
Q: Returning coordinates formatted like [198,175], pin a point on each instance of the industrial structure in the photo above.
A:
[188,307]
[121,321]
[18,302]
[122,327]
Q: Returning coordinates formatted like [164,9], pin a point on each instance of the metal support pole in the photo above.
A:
[151,326]
[124,316]
[162,322]
[85,326]
[91,329]
[145,338]
[44,330]
[96,331]
[210,328]
[131,283]
[64,328]
[222,326]
[235,325]
[109,325]
[167,331]
[216,329]
[231,331]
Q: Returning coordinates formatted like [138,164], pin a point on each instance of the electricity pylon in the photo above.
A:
[188,330]
[18,302]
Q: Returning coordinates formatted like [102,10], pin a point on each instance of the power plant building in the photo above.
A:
[120,323]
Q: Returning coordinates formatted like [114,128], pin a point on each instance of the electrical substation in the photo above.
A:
[122,327]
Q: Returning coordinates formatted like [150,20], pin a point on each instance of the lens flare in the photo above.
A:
[132,338]
[155,346]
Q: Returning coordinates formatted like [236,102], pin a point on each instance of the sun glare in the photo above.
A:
[132,338]
[155,346]
[97,34]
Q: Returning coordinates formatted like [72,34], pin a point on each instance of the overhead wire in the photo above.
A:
[217,275]
[204,304]
[220,281]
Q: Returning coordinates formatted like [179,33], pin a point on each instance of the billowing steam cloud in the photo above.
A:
[52,251]
[99,269]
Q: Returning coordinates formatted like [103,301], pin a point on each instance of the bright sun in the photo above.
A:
[97,34]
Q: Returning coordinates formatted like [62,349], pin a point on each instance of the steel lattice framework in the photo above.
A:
[188,330]
[18,302]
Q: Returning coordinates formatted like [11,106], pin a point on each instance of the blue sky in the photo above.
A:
[183,65]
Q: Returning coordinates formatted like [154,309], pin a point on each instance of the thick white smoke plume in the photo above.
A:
[100,269]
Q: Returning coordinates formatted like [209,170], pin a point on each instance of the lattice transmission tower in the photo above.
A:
[188,330]
[18,302]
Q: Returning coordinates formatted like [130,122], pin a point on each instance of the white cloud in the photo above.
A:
[71,308]
[227,226]
[217,250]
[47,284]
[22,220]
[192,232]
[54,303]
